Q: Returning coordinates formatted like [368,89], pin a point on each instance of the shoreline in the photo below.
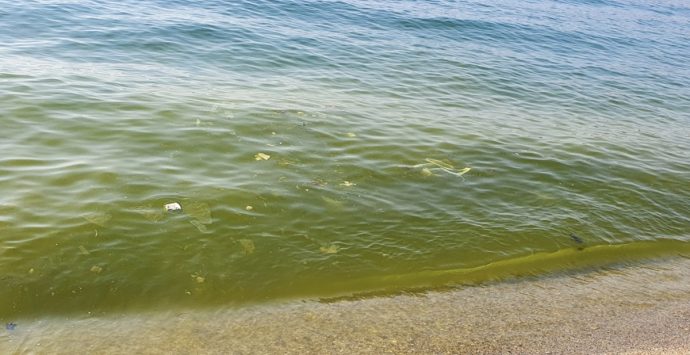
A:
[640,308]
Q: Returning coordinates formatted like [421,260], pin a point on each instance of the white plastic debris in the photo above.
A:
[432,165]
[172,207]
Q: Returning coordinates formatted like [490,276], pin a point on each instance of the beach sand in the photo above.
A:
[639,309]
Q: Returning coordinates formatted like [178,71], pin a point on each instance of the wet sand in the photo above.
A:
[640,309]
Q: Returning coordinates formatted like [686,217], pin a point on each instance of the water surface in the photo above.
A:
[572,116]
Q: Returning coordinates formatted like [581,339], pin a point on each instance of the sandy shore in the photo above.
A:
[637,309]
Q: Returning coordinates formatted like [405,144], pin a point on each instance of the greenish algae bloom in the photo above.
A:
[324,149]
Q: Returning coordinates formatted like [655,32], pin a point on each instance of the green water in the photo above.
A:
[575,160]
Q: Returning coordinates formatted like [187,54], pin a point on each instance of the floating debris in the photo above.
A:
[579,241]
[435,164]
[247,246]
[198,278]
[347,183]
[318,182]
[98,218]
[462,172]
[173,207]
[440,163]
[350,134]
[249,208]
[11,326]
[262,156]
[575,238]
[331,249]
[97,269]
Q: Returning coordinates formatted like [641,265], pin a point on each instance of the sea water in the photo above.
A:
[325,148]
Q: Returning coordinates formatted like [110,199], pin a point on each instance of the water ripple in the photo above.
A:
[315,147]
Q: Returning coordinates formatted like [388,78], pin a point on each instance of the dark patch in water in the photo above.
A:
[579,241]
[11,326]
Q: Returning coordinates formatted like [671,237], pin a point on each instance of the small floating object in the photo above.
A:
[347,183]
[173,207]
[461,172]
[249,208]
[331,249]
[440,164]
[576,238]
[11,326]
[96,269]
[350,134]
[435,164]
[262,156]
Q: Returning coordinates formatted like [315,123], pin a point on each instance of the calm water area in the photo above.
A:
[325,148]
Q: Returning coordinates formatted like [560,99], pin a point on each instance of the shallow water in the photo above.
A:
[573,117]
[632,309]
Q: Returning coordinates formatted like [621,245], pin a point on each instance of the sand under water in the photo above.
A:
[641,308]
